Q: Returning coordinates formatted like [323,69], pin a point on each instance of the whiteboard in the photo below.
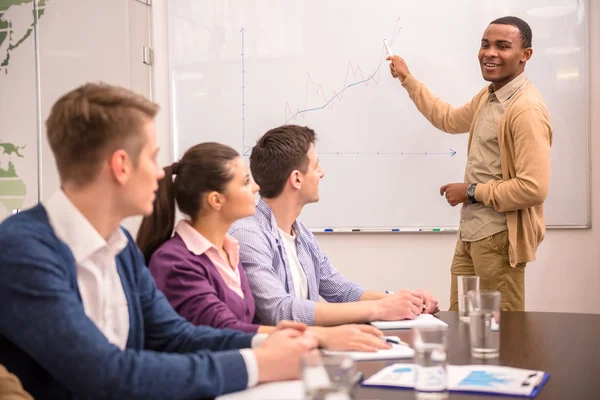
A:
[239,68]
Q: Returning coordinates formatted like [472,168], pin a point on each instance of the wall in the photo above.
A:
[77,41]
[564,278]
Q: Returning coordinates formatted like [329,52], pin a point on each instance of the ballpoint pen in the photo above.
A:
[395,341]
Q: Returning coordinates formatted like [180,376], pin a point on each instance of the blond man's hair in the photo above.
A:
[90,123]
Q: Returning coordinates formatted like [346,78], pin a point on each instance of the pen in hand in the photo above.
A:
[424,306]
[394,341]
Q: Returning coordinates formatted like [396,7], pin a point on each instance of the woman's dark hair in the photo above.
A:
[204,168]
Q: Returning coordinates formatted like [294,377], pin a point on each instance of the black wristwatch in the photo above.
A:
[471,193]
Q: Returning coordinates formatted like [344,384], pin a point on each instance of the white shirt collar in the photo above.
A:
[76,231]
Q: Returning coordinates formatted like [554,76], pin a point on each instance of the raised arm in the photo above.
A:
[441,114]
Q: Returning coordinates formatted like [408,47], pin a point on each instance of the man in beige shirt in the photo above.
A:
[508,165]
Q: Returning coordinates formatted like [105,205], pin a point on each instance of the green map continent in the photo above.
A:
[12,187]
[8,37]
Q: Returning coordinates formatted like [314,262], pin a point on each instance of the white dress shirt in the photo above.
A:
[99,282]
[100,286]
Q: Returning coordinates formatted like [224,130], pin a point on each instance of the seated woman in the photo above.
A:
[198,268]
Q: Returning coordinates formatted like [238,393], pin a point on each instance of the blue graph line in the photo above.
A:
[336,95]
[396,33]
[245,152]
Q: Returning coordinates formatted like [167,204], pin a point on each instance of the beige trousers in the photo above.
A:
[488,259]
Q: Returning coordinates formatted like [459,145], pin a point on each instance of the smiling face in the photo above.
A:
[502,56]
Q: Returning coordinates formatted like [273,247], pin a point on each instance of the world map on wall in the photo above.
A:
[12,186]
[17,23]
[16,27]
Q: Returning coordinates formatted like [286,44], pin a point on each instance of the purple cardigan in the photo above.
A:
[197,291]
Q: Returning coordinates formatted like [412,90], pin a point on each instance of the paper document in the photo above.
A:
[397,351]
[488,379]
[421,320]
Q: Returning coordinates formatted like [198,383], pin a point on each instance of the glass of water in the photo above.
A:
[466,283]
[430,344]
[328,377]
[484,314]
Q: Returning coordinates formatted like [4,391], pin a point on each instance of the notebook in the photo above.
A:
[474,379]
[421,320]
[397,351]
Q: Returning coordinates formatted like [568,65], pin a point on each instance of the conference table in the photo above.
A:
[567,346]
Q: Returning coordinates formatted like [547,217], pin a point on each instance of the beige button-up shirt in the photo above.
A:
[483,163]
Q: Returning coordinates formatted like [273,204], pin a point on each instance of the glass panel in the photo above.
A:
[18,123]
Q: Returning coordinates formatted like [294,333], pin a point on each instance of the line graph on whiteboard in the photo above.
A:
[338,95]
[354,80]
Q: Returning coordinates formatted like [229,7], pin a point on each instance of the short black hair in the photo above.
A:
[276,154]
[522,26]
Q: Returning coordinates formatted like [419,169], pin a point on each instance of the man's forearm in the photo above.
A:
[331,314]
[370,295]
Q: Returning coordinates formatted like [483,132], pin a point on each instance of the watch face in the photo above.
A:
[471,193]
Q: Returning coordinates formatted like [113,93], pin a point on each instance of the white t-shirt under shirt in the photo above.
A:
[298,275]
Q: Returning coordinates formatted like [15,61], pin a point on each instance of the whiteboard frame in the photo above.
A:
[588,118]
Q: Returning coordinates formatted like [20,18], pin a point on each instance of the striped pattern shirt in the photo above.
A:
[264,259]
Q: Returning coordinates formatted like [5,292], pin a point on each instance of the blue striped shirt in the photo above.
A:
[263,256]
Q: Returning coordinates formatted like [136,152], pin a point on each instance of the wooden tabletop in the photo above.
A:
[567,346]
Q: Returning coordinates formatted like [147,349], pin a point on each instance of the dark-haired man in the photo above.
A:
[508,166]
[285,266]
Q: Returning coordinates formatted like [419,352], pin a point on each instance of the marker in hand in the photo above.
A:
[389,57]
[387,48]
